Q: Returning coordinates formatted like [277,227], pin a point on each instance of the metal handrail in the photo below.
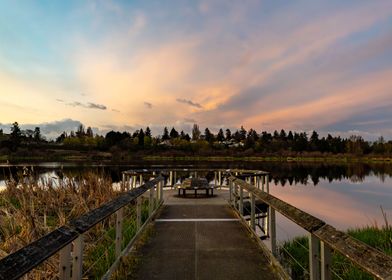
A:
[27,258]
[375,262]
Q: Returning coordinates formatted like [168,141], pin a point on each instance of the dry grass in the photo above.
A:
[31,208]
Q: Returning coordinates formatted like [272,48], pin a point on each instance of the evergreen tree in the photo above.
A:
[80,132]
[16,135]
[290,136]
[37,134]
[148,132]
[208,135]
[165,135]
[228,134]
[173,133]
[242,133]
[89,132]
[220,137]
[141,137]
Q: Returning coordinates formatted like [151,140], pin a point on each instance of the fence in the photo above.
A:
[68,240]
[323,238]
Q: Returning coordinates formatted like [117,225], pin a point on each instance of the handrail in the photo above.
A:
[27,258]
[368,258]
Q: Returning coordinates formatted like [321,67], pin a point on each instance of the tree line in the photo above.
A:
[241,140]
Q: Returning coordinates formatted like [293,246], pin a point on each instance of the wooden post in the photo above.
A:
[141,179]
[220,178]
[128,182]
[326,261]
[150,202]
[65,262]
[119,227]
[252,211]
[263,183]
[123,182]
[156,193]
[215,179]
[138,213]
[272,221]
[314,255]
[267,184]
[134,181]
[175,177]
[231,192]
[235,192]
[160,184]
[241,205]
[77,258]
[171,178]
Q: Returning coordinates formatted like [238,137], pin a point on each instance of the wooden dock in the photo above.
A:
[201,239]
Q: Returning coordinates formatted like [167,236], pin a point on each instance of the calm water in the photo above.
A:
[345,196]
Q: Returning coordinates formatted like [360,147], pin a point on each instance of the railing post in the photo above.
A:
[171,178]
[119,226]
[220,178]
[123,182]
[150,202]
[138,213]
[160,190]
[267,184]
[141,179]
[65,262]
[231,192]
[326,261]
[175,177]
[134,181]
[241,205]
[156,193]
[272,220]
[252,211]
[77,260]
[314,255]
[262,183]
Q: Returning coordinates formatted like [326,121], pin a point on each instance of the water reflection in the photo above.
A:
[344,195]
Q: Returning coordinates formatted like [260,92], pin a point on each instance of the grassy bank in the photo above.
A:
[380,238]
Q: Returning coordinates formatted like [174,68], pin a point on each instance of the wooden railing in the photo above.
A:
[322,237]
[68,239]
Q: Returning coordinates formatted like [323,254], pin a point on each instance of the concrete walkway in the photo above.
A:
[201,239]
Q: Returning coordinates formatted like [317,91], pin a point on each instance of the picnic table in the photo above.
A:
[195,184]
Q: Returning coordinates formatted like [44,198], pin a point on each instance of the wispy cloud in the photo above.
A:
[148,105]
[88,105]
[189,102]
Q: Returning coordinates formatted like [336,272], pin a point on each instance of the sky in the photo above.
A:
[266,65]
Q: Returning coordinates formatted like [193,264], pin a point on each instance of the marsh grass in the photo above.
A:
[31,208]
[375,236]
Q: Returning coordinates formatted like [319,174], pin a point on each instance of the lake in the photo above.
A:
[343,195]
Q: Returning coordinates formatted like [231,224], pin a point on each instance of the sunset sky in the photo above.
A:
[299,65]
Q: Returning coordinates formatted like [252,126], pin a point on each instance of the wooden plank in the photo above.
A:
[303,219]
[370,259]
[22,261]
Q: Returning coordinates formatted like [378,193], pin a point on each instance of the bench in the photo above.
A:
[195,184]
